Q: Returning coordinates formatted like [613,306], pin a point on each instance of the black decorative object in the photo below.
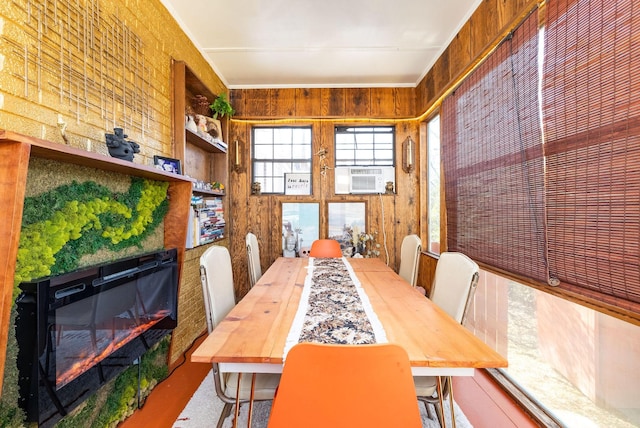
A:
[119,147]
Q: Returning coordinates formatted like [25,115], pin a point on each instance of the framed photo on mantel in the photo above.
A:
[167,164]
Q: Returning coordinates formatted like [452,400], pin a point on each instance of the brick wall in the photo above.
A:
[109,65]
[88,66]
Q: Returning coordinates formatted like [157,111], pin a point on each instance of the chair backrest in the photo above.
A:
[410,258]
[454,284]
[346,386]
[253,256]
[216,276]
[325,248]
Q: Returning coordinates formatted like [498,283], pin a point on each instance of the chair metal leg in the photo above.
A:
[253,387]
[226,411]
[453,416]
[427,408]
[237,411]
[439,417]
[441,400]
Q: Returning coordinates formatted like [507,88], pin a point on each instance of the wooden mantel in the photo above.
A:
[15,152]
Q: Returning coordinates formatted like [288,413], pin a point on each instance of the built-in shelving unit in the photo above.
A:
[205,160]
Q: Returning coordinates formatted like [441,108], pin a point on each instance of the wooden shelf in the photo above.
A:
[209,192]
[198,141]
[201,159]
[58,152]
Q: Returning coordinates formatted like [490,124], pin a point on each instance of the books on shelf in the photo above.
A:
[207,222]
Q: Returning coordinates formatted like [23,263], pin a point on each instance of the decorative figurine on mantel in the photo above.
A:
[119,147]
[256,188]
[388,188]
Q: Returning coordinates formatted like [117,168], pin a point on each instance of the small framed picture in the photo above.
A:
[167,164]
[297,183]
[346,221]
[300,227]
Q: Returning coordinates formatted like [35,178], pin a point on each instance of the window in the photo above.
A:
[493,160]
[558,206]
[433,177]
[277,151]
[582,365]
[592,148]
[365,145]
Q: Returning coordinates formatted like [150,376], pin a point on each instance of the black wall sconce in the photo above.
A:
[408,154]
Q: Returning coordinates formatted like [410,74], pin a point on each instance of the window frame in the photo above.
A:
[273,161]
[344,162]
[429,165]
[574,297]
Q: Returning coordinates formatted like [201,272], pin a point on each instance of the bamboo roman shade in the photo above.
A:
[563,205]
[492,160]
[591,117]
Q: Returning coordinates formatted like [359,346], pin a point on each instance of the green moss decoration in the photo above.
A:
[11,416]
[62,225]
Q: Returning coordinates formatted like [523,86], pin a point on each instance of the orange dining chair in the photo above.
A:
[337,386]
[325,248]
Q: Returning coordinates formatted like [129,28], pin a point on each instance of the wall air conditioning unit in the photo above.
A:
[363,179]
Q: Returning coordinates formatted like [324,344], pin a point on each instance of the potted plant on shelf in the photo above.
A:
[221,106]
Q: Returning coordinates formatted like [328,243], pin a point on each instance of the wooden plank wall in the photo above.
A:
[325,103]
[323,108]
[490,22]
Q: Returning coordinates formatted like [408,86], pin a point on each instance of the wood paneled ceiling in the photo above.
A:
[332,43]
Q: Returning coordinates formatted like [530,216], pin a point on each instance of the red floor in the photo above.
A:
[484,403]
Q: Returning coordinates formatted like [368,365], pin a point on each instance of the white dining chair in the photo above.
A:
[219,298]
[253,259]
[410,258]
[453,288]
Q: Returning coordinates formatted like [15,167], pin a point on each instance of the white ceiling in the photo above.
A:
[328,43]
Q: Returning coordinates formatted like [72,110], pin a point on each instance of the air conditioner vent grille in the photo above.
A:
[363,183]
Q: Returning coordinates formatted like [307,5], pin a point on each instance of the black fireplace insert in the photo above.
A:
[78,330]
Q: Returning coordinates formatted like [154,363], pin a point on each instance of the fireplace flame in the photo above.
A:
[79,358]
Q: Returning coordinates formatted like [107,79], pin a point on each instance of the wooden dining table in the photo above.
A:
[251,339]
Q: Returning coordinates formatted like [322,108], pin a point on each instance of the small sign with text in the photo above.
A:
[297,184]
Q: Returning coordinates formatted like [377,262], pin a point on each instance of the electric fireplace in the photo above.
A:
[78,330]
